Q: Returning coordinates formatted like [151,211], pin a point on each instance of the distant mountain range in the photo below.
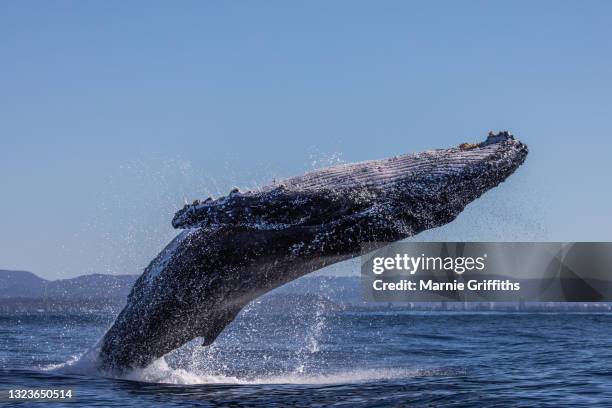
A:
[23,284]
[25,292]
[22,291]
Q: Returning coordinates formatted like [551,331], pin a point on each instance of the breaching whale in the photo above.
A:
[238,247]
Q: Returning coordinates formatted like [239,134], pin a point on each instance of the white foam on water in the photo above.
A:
[78,364]
[160,372]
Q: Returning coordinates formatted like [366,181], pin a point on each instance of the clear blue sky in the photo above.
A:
[111,113]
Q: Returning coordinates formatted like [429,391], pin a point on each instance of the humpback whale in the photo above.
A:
[235,248]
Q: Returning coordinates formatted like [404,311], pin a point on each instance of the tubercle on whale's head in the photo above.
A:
[457,175]
[497,137]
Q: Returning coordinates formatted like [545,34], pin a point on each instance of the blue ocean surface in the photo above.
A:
[321,358]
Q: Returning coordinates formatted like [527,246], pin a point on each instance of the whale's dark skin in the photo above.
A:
[236,248]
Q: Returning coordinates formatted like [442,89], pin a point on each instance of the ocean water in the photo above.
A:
[322,358]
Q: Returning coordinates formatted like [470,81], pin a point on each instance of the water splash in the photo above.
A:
[161,372]
[276,339]
[319,160]
[129,222]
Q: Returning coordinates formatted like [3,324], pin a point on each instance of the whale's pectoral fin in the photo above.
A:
[214,327]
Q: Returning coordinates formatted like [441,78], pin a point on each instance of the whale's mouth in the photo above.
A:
[238,247]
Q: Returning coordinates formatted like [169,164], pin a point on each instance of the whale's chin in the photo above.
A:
[236,248]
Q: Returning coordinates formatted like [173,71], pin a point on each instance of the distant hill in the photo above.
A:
[23,284]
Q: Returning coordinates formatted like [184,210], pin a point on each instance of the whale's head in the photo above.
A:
[387,198]
[238,247]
